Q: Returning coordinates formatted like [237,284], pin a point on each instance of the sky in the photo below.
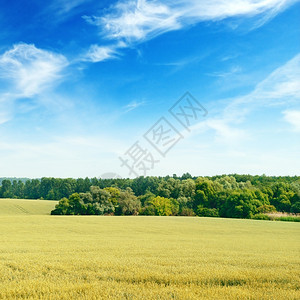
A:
[149,87]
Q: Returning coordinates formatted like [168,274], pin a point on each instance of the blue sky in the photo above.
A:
[82,81]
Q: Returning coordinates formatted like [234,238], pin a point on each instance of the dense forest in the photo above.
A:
[238,196]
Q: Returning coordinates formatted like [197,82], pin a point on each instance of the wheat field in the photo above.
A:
[9,207]
[94,257]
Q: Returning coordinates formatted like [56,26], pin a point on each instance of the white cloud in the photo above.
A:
[136,20]
[235,137]
[100,53]
[62,9]
[293,117]
[222,9]
[139,20]
[31,69]
[133,105]
[280,89]
[26,72]
[65,6]
[224,143]
[282,83]
[225,133]
[232,71]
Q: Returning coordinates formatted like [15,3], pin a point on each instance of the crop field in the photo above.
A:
[94,257]
[26,207]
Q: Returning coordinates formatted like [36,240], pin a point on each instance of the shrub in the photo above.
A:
[207,212]
[185,211]
[147,211]
[266,209]
[288,219]
[261,217]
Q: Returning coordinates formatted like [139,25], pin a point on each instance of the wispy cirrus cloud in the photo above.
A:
[232,71]
[135,21]
[283,83]
[293,118]
[65,6]
[279,89]
[100,53]
[26,72]
[133,105]
[62,9]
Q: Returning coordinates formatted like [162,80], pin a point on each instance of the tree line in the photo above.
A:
[238,196]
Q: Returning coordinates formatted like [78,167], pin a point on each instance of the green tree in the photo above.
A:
[207,212]
[114,194]
[6,189]
[62,208]
[240,204]
[76,205]
[295,209]
[162,206]
[129,204]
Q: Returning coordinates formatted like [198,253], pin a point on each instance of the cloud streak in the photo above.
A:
[133,105]
[61,10]
[280,88]
[100,53]
[293,118]
[26,72]
[135,21]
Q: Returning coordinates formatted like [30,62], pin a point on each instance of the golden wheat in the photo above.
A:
[77,257]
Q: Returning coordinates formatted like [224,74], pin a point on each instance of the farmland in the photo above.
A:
[94,257]
[25,207]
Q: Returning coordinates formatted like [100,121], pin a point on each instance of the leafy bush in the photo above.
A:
[148,210]
[288,219]
[261,217]
[207,212]
[266,209]
[185,211]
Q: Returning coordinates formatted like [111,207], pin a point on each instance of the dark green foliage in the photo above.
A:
[207,212]
[240,204]
[295,209]
[6,189]
[237,196]
[95,202]
[62,208]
